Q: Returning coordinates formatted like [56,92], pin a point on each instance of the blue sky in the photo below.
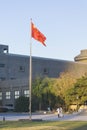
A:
[63,22]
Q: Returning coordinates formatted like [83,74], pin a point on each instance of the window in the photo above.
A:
[5,50]
[2,78]
[21,68]
[45,71]
[2,65]
[16,94]
[0,95]
[8,95]
[12,78]
[26,93]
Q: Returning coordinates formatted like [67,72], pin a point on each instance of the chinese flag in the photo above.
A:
[37,35]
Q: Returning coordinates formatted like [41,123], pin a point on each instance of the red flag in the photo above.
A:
[37,35]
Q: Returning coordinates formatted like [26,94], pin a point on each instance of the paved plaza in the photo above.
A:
[79,116]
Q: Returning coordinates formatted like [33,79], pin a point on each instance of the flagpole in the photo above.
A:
[37,35]
[30,73]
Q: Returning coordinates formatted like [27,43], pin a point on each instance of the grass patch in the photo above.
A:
[47,125]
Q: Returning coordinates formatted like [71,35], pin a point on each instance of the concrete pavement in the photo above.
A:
[80,116]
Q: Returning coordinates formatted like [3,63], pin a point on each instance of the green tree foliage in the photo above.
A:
[56,92]
[65,81]
[42,95]
[78,92]
[37,91]
[22,104]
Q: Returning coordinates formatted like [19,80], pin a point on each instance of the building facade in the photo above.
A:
[14,72]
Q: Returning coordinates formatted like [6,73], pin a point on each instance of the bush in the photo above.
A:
[22,104]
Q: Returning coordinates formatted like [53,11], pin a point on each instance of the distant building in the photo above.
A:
[14,72]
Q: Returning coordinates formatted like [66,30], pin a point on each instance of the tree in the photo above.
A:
[48,95]
[51,91]
[63,83]
[42,93]
[37,91]
[22,104]
[78,92]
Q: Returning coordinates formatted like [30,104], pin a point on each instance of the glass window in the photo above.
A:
[22,68]
[8,95]
[2,65]
[2,78]
[16,94]
[5,50]
[26,93]
[45,71]
[0,95]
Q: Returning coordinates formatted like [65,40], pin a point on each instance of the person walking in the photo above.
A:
[58,111]
[61,112]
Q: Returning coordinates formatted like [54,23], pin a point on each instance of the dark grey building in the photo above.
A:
[14,72]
